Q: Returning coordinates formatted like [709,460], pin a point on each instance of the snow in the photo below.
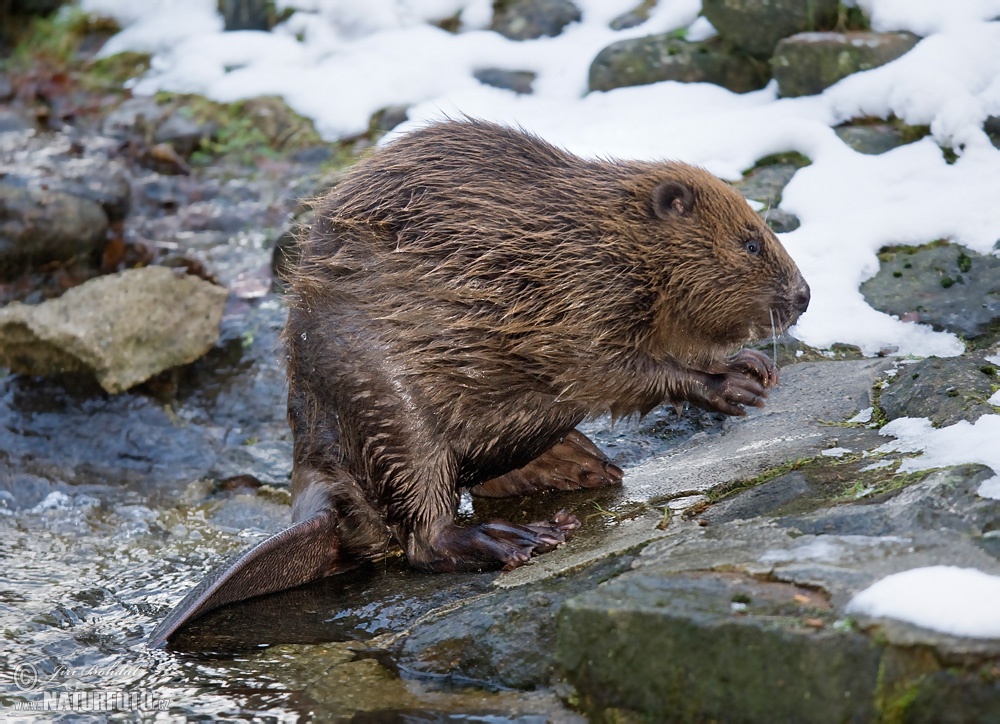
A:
[948,599]
[963,442]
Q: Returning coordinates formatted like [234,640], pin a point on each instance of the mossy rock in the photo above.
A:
[655,58]
[808,63]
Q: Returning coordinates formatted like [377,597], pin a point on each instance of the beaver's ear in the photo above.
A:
[672,198]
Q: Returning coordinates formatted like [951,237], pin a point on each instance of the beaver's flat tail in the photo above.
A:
[305,552]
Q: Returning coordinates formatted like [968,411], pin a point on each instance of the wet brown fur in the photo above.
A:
[469,293]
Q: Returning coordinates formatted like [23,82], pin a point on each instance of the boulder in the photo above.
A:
[808,63]
[943,285]
[39,226]
[123,328]
[756,26]
[529,19]
[655,58]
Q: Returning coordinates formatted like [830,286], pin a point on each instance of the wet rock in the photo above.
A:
[41,226]
[756,26]
[943,285]
[141,115]
[872,139]
[123,328]
[529,19]
[508,638]
[12,120]
[247,14]
[6,88]
[701,660]
[944,390]
[663,57]
[808,63]
[518,81]
[183,132]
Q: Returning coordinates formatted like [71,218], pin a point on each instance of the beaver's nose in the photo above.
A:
[800,298]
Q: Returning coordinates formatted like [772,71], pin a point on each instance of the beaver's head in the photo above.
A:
[722,276]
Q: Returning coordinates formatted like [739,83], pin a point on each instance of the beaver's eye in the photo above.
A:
[752,246]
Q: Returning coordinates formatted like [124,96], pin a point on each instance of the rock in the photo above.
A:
[871,138]
[992,128]
[11,120]
[636,16]
[943,285]
[6,88]
[136,115]
[756,26]
[506,639]
[247,14]
[183,132]
[387,118]
[123,328]
[691,657]
[765,183]
[943,390]
[749,615]
[40,226]
[529,19]
[781,222]
[518,81]
[35,7]
[808,63]
[663,57]
[107,183]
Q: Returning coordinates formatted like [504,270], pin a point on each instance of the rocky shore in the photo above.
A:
[142,242]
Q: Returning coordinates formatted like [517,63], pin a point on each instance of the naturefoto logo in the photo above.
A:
[48,692]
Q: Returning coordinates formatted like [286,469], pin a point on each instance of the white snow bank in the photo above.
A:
[952,600]
[957,444]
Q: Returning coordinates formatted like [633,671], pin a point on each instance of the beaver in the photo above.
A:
[467,295]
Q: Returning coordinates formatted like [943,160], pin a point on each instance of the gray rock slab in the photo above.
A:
[123,328]
[791,426]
